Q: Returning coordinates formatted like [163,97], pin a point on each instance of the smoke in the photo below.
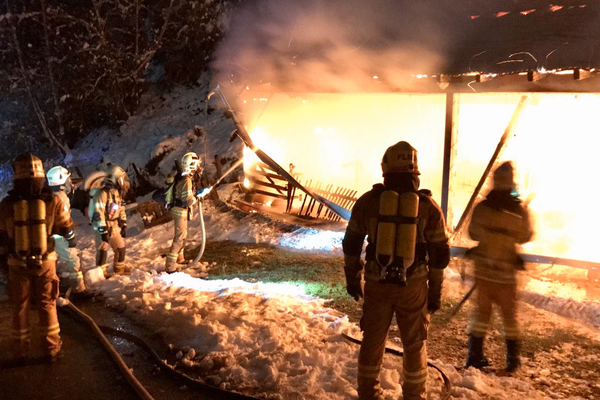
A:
[337,45]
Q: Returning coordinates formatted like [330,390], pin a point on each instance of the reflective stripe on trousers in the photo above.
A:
[180,228]
[409,304]
[505,296]
[71,257]
[43,283]
[116,242]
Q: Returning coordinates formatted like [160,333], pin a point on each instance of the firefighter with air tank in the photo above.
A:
[59,180]
[499,223]
[30,217]
[180,198]
[110,221]
[407,251]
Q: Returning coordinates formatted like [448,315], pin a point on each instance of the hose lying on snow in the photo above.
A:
[212,391]
[100,332]
[135,384]
[447,382]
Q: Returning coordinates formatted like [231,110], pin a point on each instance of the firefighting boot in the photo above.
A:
[475,357]
[513,362]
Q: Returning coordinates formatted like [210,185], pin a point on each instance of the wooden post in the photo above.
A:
[449,139]
[218,166]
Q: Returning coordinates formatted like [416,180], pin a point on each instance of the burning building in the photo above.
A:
[522,86]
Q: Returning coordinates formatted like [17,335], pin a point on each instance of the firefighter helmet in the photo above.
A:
[189,163]
[57,176]
[401,157]
[117,176]
[504,177]
[28,166]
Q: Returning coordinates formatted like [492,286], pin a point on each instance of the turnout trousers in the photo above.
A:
[117,243]
[43,284]
[505,296]
[175,255]
[71,257]
[409,304]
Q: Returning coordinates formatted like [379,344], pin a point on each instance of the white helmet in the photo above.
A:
[57,176]
[401,157]
[189,163]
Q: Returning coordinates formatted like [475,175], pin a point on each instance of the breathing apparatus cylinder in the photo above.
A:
[406,240]
[21,212]
[39,236]
[31,237]
[386,231]
[396,235]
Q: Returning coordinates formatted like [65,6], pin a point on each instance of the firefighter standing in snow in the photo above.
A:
[29,217]
[406,234]
[180,198]
[499,223]
[110,221]
[59,180]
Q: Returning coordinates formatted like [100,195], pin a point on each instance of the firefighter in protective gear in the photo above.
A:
[499,223]
[29,217]
[399,265]
[59,180]
[180,200]
[110,221]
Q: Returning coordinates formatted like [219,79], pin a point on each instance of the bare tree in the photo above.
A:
[62,147]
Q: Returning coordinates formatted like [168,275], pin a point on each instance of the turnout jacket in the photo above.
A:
[182,197]
[432,241]
[108,208]
[499,223]
[58,222]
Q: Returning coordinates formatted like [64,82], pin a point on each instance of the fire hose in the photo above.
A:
[201,194]
[116,357]
[398,353]
[101,331]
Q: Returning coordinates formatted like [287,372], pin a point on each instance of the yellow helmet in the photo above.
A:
[189,163]
[117,176]
[401,157]
[504,177]
[28,166]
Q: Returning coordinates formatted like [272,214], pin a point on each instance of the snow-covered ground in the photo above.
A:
[266,340]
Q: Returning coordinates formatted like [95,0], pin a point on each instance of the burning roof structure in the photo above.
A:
[516,80]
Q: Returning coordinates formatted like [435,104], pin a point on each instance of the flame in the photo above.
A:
[554,150]
[246,183]
[340,138]
[526,12]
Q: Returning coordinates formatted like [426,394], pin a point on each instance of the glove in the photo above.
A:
[434,295]
[103,234]
[70,237]
[352,270]
[203,191]
[124,230]
[354,288]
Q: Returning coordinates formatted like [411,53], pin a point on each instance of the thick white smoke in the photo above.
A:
[338,45]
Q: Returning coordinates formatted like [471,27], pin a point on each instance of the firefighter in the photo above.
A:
[59,180]
[180,198]
[407,251]
[29,217]
[110,221]
[499,223]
